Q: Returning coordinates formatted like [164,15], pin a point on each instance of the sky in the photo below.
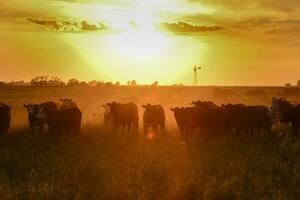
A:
[249,42]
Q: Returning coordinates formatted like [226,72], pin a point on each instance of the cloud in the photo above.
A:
[69,25]
[47,23]
[183,27]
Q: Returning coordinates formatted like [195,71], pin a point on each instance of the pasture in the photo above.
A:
[99,164]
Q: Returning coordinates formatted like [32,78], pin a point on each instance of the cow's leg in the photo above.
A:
[163,128]
[41,128]
[252,130]
[294,127]
[259,130]
[155,129]
[32,127]
[145,130]
[123,128]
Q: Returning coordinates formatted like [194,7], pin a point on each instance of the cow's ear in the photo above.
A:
[25,105]
[172,109]
[144,106]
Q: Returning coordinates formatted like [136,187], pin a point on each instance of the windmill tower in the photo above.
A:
[196,68]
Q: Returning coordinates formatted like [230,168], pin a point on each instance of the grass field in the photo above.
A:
[99,164]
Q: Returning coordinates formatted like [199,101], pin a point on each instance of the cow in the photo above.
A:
[107,117]
[5,118]
[187,119]
[210,116]
[286,112]
[258,117]
[154,118]
[67,104]
[292,116]
[279,107]
[242,118]
[124,116]
[59,121]
[33,110]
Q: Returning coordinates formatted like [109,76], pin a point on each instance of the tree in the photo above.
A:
[73,82]
[155,83]
[45,81]
[83,83]
[39,81]
[55,81]
[108,84]
[133,83]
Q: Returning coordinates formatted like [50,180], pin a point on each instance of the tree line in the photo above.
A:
[48,81]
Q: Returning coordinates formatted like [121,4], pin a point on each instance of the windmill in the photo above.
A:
[196,68]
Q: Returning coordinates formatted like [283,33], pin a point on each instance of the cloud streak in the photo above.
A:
[183,27]
[68,25]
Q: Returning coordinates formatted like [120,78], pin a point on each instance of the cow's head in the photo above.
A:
[147,106]
[106,108]
[42,114]
[5,111]
[175,109]
[113,106]
[197,102]
[32,109]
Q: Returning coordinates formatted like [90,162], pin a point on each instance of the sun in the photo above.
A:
[140,39]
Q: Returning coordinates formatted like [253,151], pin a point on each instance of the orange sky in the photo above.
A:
[237,42]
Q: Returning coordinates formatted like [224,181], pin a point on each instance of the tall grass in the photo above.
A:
[101,165]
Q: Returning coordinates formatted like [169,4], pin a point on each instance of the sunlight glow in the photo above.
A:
[139,44]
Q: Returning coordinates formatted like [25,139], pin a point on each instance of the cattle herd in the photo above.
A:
[203,117]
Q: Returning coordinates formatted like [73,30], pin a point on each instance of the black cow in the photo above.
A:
[154,117]
[125,116]
[210,116]
[292,116]
[242,118]
[59,121]
[187,119]
[5,118]
[33,110]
